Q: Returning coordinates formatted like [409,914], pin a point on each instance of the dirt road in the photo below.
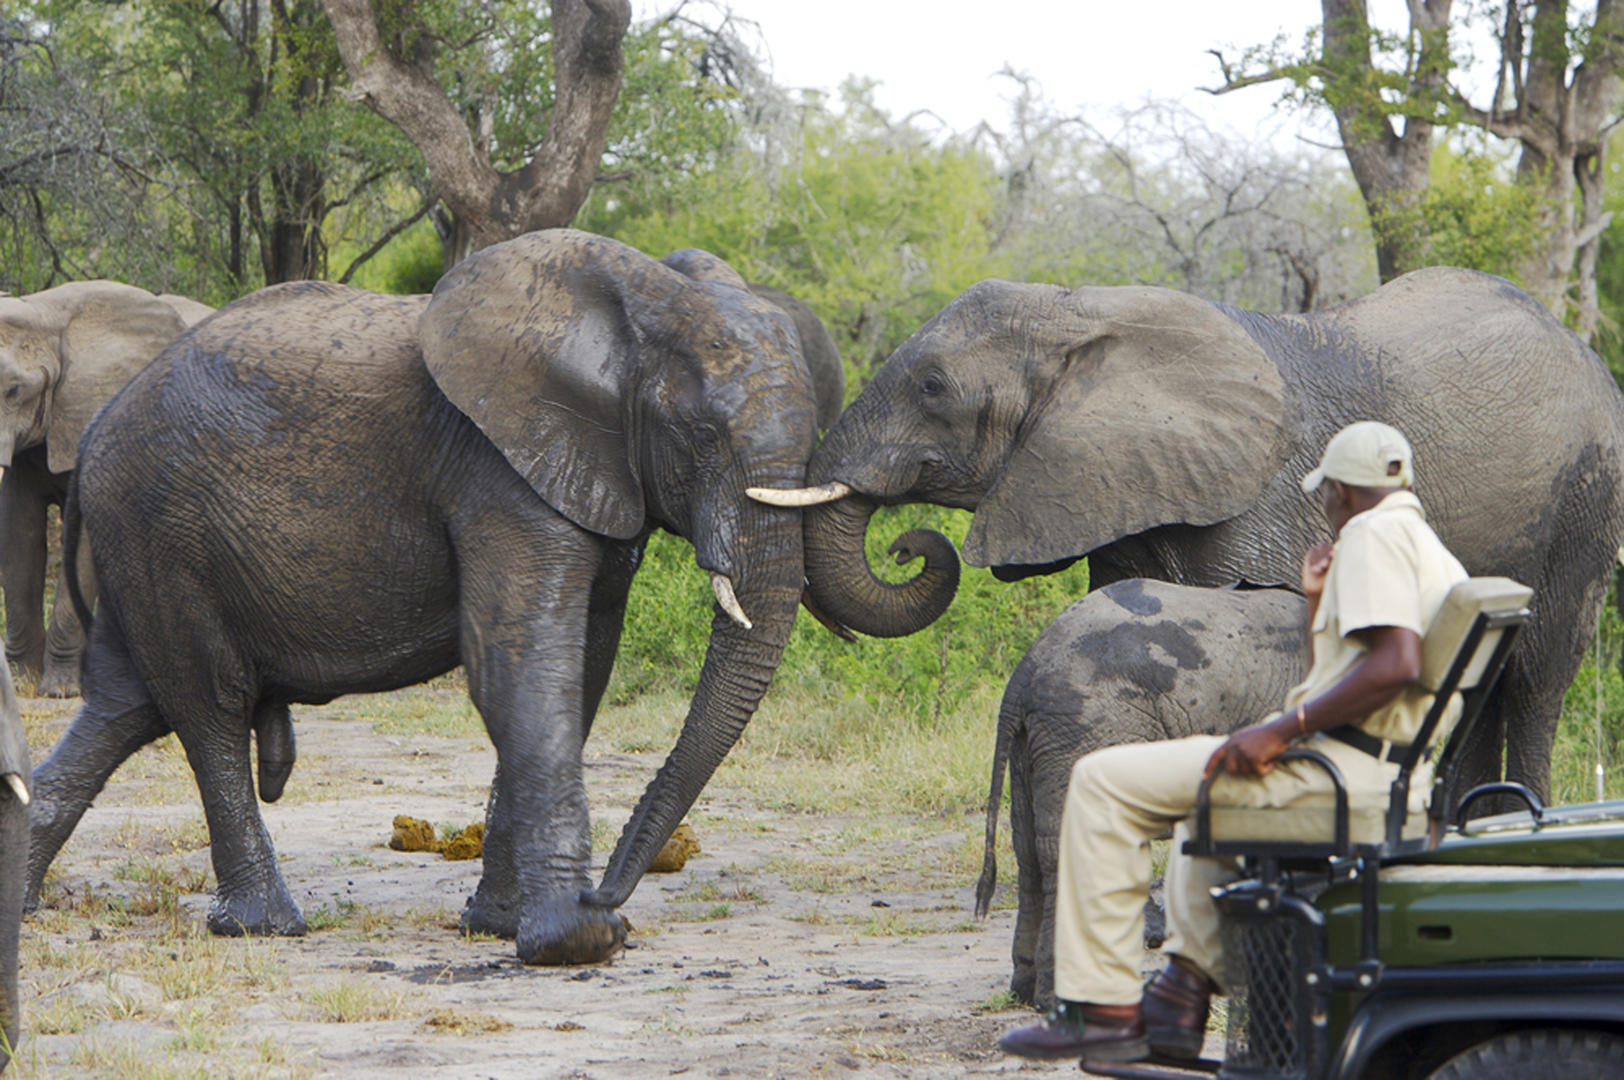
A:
[797,944]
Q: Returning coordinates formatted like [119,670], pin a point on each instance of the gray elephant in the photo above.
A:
[358,492]
[14,775]
[1163,436]
[822,357]
[63,353]
[1136,661]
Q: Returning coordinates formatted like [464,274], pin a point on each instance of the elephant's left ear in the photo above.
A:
[531,340]
[1159,409]
[112,331]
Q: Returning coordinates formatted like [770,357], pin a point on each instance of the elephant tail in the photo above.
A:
[1618,595]
[1008,716]
[71,533]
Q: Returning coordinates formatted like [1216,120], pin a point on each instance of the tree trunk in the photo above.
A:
[1391,168]
[548,189]
[1562,125]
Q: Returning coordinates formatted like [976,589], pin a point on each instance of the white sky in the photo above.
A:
[1093,56]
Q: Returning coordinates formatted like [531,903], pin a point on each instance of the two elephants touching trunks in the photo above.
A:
[357,492]
[1163,437]
[63,353]
[352,492]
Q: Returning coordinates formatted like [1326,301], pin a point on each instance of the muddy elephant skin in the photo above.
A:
[358,492]
[1136,661]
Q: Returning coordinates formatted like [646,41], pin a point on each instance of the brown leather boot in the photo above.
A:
[1175,1009]
[1074,1029]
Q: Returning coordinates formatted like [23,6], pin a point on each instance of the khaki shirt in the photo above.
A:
[1388,568]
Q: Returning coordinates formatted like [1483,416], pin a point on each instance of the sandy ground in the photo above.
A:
[797,944]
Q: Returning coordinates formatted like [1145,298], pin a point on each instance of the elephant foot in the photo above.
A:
[483,914]
[569,932]
[59,683]
[1023,986]
[273,912]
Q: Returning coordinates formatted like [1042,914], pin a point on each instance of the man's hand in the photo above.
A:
[1250,751]
[1316,564]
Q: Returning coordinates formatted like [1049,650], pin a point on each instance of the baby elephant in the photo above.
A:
[1135,661]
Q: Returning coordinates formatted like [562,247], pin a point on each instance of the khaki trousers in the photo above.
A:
[1119,800]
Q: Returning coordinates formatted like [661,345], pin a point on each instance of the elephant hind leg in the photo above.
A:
[210,700]
[117,719]
[96,743]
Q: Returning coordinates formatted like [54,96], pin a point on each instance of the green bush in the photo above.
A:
[977,643]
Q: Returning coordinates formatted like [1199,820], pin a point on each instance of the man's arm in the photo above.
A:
[1393,662]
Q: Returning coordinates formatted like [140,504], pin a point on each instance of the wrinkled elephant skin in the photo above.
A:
[1162,436]
[357,492]
[1136,661]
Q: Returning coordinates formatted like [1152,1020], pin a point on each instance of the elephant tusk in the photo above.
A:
[808,496]
[723,588]
[17,787]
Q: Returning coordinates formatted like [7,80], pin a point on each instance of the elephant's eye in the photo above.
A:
[706,438]
[12,391]
[933,384]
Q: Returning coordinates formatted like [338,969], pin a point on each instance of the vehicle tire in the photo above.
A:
[1539,1054]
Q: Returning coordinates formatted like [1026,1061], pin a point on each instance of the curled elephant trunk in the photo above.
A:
[740,661]
[845,587]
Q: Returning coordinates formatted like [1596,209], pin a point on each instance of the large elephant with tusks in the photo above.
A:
[1163,436]
[357,492]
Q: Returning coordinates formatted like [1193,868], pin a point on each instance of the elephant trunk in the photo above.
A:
[845,586]
[739,665]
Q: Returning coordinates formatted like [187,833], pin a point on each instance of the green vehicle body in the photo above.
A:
[1509,923]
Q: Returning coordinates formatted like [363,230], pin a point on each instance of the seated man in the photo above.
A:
[1370,597]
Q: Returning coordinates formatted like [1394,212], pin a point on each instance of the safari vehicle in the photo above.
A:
[1391,943]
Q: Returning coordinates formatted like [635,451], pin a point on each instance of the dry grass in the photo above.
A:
[351,1002]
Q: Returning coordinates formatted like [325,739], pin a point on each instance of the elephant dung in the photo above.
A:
[467,844]
[414,834]
[674,855]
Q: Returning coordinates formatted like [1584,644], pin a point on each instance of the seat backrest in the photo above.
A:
[1449,629]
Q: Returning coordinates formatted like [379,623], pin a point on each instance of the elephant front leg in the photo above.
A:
[22,571]
[526,660]
[65,639]
[494,907]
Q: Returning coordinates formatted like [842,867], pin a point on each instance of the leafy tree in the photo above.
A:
[74,172]
[246,149]
[512,141]
[1555,94]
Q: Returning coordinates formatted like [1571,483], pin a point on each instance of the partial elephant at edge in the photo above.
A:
[1136,661]
[15,781]
[63,353]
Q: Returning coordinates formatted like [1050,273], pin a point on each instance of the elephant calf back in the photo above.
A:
[1137,661]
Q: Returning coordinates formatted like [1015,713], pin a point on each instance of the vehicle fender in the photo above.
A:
[1384,1016]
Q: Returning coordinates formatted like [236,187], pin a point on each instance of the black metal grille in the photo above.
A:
[1268,1031]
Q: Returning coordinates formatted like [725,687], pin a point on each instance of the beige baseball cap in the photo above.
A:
[1365,454]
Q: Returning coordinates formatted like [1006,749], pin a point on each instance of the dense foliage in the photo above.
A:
[208,148]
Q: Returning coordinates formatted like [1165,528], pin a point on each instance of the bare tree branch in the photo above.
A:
[389,234]
[548,189]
